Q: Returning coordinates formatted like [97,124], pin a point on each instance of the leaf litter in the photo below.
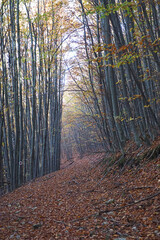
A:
[70,205]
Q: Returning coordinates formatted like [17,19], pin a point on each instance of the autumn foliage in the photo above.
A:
[78,202]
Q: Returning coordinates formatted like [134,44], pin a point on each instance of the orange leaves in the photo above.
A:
[134,97]
[66,204]
[137,96]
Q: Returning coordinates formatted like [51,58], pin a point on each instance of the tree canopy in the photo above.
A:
[75,77]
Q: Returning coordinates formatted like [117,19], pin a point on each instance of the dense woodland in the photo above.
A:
[118,75]
[31,97]
[75,77]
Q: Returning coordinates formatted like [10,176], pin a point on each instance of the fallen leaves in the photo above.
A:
[69,204]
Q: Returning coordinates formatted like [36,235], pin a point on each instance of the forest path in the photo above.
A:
[70,204]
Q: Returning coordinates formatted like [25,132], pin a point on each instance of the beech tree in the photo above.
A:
[120,47]
[112,77]
[30,90]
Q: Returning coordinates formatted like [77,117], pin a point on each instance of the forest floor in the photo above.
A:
[77,202]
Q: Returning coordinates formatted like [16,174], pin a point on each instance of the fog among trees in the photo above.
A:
[76,77]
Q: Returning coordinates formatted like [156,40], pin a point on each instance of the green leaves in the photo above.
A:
[113,8]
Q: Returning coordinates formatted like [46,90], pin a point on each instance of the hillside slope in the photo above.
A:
[78,203]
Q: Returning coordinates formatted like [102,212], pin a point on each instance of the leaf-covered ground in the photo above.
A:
[78,203]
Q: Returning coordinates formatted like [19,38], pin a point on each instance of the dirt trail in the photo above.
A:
[75,203]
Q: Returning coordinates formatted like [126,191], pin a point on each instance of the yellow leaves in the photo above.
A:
[130,98]
[137,96]
[146,106]
[118,82]
[123,98]
[139,117]
[98,48]
[131,119]
[122,119]
[110,65]
[119,118]
[156,42]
